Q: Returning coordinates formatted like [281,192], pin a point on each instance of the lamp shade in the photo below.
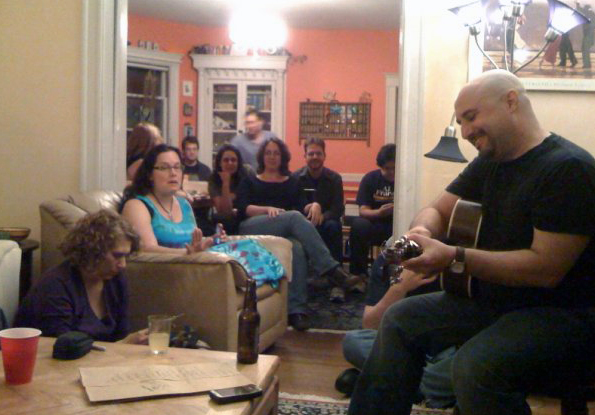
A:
[563,17]
[447,150]
[470,13]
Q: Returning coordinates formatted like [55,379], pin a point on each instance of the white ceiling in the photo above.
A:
[302,14]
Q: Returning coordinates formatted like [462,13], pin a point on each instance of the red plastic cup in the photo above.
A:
[19,351]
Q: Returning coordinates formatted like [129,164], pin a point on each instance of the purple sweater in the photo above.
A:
[59,303]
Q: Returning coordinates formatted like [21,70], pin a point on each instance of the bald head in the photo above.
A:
[496,115]
[495,84]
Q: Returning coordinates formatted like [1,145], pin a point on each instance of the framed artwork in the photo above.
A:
[187,88]
[565,64]
[188,129]
[187,109]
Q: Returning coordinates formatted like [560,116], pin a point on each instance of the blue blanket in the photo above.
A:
[259,262]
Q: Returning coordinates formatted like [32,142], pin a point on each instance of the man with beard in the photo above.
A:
[324,191]
[529,324]
[249,142]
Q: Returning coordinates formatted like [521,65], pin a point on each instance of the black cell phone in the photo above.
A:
[238,393]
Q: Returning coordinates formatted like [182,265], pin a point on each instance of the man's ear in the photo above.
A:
[512,100]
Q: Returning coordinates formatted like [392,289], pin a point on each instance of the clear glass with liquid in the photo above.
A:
[159,333]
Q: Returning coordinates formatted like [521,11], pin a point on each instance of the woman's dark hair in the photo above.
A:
[285,155]
[141,183]
[386,153]
[94,236]
[239,174]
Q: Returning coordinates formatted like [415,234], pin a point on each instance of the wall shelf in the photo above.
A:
[335,120]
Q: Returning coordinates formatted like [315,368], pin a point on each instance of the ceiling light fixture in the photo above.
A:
[257,30]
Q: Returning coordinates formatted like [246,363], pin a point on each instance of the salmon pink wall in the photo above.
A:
[347,62]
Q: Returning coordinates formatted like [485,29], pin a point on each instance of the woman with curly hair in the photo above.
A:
[88,291]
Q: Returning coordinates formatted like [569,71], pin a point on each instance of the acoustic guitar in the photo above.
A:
[463,230]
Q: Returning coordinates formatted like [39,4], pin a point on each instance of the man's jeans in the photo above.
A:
[436,381]
[331,232]
[307,247]
[363,233]
[501,360]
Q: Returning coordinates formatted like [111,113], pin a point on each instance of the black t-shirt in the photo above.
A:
[199,171]
[285,195]
[375,191]
[550,188]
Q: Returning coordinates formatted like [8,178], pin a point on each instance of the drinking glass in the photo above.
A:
[159,333]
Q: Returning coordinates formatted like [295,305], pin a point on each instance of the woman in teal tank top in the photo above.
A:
[164,221]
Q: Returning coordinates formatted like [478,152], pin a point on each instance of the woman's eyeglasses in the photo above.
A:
[177,168]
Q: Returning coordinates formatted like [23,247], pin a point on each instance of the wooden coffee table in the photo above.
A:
[56,388]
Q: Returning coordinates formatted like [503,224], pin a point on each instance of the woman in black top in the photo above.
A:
[223,184]
[271,203]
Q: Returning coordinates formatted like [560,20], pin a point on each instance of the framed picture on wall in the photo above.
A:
[187,109]
[564,65]
[188,129]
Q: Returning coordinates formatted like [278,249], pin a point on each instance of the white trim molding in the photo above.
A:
[103,144]
[391,81]
[410,115]
[352,177]
[169,62]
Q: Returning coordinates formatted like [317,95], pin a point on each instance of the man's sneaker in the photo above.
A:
[340,278]
[337,295]
[299,321]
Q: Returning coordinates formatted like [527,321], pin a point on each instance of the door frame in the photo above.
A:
[105,28]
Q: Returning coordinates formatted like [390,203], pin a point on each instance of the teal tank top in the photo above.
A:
[168,233]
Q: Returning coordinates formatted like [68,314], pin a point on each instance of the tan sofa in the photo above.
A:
[206,286]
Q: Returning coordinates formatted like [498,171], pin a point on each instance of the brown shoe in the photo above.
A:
[340,278]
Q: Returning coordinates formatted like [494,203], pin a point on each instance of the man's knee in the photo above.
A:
[357,345]
[472,369]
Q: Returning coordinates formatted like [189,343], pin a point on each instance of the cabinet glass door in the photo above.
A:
[225,114]
[258,97]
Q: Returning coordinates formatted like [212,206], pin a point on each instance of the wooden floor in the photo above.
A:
[311,361]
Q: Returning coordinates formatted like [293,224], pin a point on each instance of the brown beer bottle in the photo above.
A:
[248,326]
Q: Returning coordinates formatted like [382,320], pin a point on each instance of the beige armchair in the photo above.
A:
[206,287]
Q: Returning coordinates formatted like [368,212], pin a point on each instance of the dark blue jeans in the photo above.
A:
[363,233]
[502,358]
[331,232]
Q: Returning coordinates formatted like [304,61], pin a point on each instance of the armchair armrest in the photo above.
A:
[205,287]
